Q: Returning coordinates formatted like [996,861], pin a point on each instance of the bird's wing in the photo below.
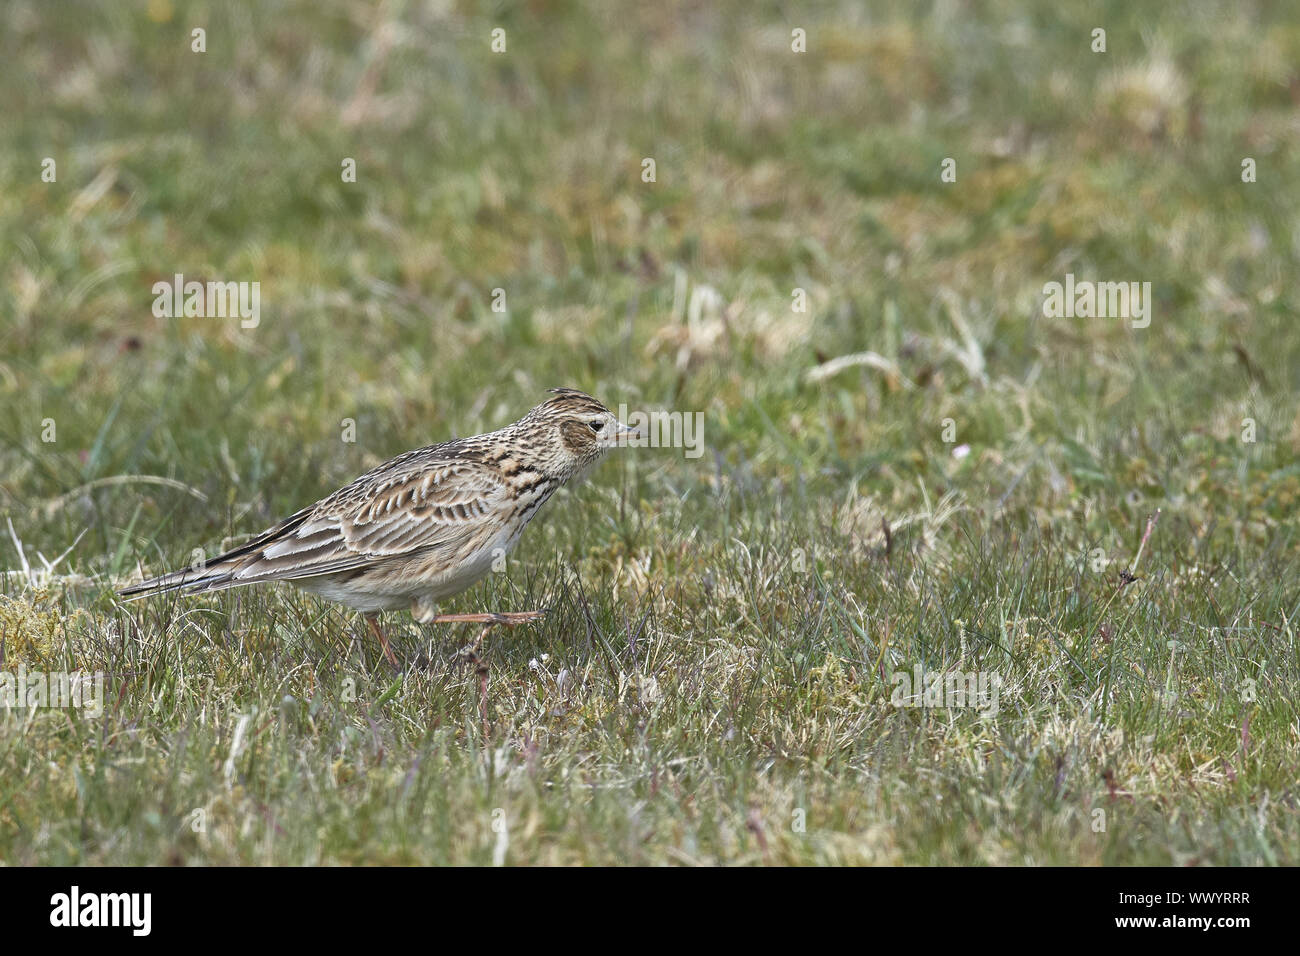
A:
[451,505]
[439,505]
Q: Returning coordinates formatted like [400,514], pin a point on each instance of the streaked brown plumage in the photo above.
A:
[424,525]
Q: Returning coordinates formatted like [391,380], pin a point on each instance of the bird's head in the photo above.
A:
[577,429]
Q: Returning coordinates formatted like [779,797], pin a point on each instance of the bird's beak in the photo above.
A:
[624,435]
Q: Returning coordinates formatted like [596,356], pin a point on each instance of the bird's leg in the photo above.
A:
[489,621]
[509,620]
[373,621]
[424,610]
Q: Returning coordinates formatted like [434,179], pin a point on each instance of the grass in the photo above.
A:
[713,681]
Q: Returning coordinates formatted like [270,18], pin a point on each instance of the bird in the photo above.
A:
[423,526]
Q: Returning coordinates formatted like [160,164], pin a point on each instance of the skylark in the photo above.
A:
[424,525]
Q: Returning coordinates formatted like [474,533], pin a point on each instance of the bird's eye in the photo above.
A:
[596,425]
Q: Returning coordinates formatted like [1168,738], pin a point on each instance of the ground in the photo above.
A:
[717,677]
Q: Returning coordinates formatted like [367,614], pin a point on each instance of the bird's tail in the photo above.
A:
[215,574]
[191,580]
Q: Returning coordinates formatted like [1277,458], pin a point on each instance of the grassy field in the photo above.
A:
[715,680]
